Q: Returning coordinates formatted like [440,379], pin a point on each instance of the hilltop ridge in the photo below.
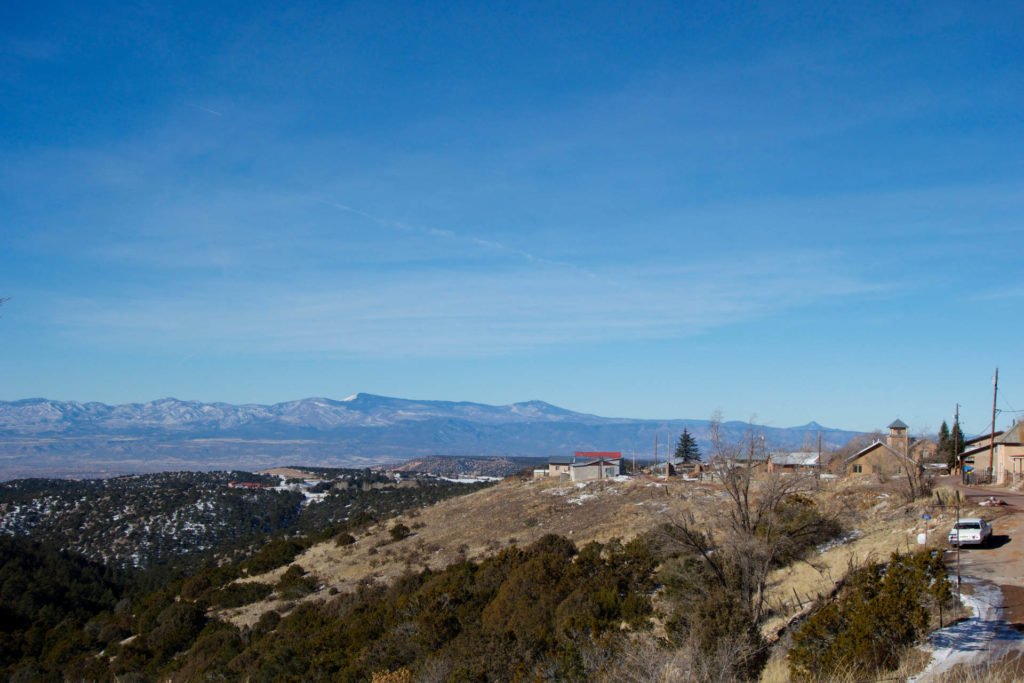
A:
[41,437]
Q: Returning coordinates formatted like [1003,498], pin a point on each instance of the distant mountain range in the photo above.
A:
[57,438]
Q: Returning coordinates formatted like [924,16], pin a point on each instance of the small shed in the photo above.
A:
[593,469]
[612,456]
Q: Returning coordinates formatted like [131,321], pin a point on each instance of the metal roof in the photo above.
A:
[608,455]
[797,458]
[592,462]
[898,424]
[561,460]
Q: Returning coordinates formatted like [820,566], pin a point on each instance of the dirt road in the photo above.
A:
[1002,563]
[993,579]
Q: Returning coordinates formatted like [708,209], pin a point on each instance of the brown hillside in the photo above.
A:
[520,512]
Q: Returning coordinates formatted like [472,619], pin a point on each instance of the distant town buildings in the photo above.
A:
[583,466]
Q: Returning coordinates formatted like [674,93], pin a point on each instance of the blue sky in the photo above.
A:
[786,211]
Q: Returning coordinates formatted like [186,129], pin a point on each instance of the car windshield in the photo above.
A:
[968,525]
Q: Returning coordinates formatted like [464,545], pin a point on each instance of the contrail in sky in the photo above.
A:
[454,236]
[207,110]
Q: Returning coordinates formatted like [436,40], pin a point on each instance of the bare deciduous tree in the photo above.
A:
[767,522]
[742,552]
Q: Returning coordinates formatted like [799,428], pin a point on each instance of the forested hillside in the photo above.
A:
[681,600]
[178,519]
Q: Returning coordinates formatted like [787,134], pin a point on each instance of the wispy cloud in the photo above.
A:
[442,314]
[1009,292]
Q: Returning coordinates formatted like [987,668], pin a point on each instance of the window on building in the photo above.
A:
[858,469]
[876,469]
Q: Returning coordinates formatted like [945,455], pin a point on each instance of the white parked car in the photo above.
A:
[970,531]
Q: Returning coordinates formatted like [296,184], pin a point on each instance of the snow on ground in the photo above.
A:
[579,500]
[980,638]
[842,539]
[470,480]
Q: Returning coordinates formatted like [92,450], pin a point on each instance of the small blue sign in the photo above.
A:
[926,517]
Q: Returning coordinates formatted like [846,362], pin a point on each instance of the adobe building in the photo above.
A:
[1006,460]
[560,465]
[977,455]
[888,459]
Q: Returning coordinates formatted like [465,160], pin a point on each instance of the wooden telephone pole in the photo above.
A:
[956,458]
[655,453]
[956,444]
[818,468]
[992,441]
[668,452]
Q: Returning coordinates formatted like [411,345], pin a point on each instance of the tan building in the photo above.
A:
[559,466]
[888,459]
[977,456]
[1007,460]
[923,450]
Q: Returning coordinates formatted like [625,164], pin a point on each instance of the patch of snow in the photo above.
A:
[983,637]
[581,499]
[309,498]
[842,539]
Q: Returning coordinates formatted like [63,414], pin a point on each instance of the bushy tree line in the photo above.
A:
[48,601]
[881,611]
[549,610]
[60,610]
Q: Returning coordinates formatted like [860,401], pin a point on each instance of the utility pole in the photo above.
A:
[956,444]
[957,527]
[668,452]
[819,456]
[992,442]
[655,453]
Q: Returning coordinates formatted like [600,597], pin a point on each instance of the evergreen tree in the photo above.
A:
[945,450]
[950,444]
[687,450]
[958,439]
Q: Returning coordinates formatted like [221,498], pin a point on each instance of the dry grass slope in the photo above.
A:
[520,512]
